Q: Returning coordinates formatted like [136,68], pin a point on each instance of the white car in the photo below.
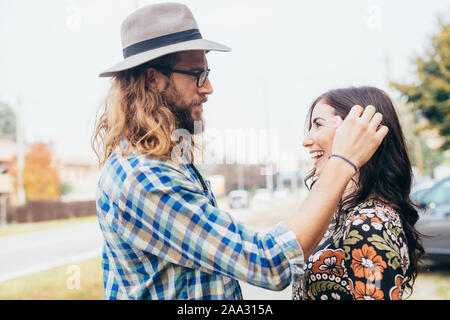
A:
[239,199]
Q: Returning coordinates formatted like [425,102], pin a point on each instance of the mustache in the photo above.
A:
[198,101]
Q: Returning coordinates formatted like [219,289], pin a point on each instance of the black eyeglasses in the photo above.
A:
[201,75]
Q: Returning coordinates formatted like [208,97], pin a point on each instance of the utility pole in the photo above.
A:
[240,175]
[20,154]
[3,201]
[268,169]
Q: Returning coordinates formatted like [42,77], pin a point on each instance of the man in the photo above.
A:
[164,236]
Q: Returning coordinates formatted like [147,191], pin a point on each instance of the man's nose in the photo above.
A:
[206,88]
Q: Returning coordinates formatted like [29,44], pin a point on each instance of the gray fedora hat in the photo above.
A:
[157,30]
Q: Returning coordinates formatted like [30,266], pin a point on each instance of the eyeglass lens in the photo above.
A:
[202,78]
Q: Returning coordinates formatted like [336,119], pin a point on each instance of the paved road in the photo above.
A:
[41,250]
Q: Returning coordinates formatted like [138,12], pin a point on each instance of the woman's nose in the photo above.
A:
[308,141]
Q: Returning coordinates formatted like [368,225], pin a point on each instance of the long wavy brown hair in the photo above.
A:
[134,112]
[387,175]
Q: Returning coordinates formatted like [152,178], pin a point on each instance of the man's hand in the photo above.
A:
[360,135]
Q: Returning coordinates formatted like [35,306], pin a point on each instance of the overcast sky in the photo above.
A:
[284,54]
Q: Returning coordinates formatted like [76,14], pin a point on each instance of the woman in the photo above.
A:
[371,249]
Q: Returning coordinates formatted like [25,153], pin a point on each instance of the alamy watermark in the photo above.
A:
[230,146]
[74,279]
[373,21]
[73,17]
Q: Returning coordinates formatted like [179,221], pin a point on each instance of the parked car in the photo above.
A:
[434,221]
[421,185]
[239,199]
[417,195]
[262,197]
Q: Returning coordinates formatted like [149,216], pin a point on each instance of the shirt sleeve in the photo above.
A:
[166,214]
[375,256]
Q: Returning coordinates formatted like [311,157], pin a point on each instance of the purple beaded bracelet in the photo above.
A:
[345,159]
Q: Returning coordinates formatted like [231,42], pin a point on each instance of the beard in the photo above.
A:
[183,110]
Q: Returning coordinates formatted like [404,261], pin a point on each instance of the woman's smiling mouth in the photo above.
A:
[317,155]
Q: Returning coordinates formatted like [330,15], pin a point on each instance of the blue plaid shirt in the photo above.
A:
[165,238]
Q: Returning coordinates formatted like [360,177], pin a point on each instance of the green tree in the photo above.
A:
[65,188]
[7,122]
[429,93]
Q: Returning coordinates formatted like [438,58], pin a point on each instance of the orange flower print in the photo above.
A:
[367,264]
[360,216]
[330,262]
[376,223]
[396,292]
[357,219]
[367,292]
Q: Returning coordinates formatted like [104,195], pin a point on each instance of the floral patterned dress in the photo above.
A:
[366,257]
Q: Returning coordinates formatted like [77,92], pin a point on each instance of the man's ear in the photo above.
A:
[155,79]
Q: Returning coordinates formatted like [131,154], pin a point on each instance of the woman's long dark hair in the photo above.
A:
[388,174]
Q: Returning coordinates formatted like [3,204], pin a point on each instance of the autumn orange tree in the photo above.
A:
[40,175]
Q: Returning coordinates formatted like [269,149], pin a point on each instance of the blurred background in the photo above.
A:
[284,54]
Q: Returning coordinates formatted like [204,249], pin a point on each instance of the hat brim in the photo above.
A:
[140,58]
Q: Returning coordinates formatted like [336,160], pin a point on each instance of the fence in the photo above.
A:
[35,211]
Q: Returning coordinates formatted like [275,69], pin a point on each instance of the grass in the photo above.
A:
[17,228]
[78,281]
[432,285]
